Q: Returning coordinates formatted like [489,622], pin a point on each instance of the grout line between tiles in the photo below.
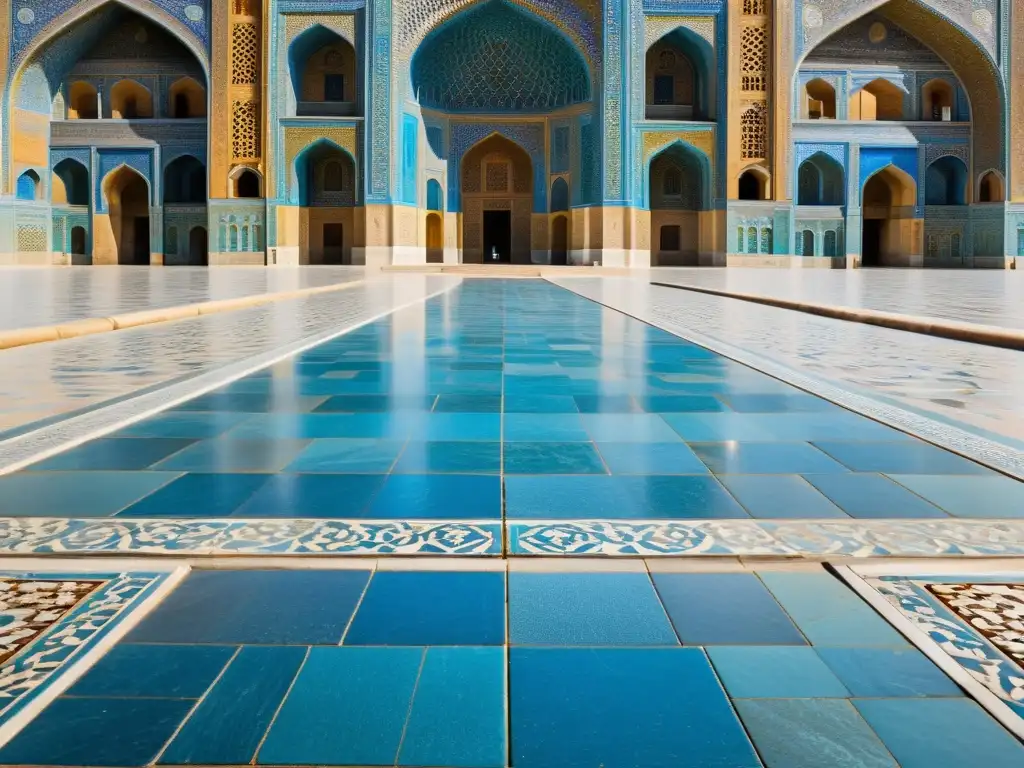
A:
[280,706]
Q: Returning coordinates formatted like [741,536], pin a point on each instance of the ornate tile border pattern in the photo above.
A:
[39,536]
[658,308]
[970,624]
[751,538]
[64,617]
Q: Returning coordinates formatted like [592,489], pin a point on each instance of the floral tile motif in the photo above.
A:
[971,625]
[67,615]
[251,537]
[29,608]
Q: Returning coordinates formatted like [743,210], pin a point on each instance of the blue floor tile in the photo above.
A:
[969,496]
[97,732]
[475,427]
[356,455]
[250,403]
[724,609]
[376,403]
[225,455]
[680,496]
[196,425]
[629,428]
[774,672]
[154,671]
[812,733]
[681,403]
[198,495]
[888,673]
[552,459]
[940,733]
[656,708]
[544,427]
[540,404]
[313,495]
[458,716]
[260,607]
[781,496]
[586,609]
[75,494]
[230,722]
[609,404]
[777,403]
[651,459]
[828,613]
[765,458]
[115,454]
[431,608]
[450,457]
[866,495]
[348,706]
[431,497]
[393,425]
[468,404]
[900,458]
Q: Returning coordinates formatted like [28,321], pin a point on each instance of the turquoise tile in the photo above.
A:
[812,733]
[866,495]
[940,733]
[724,609]
[431,608]
[198,495]
[450,457]
[154,671]
[651,459]
[348,706]
[115,454]
[716,427]
[764,458]
[968,496]
[229,723]
[629,428]
[539,404]
[442,427]
[544,427]
[901,458]
[458,716]
[76,494]
[468,403]
[827,612]
[356,455]
[656,708]
[196,425]
[780,496]
[226,455]
[459,497]
[552,459]
[587,609]
[887,673]
[607,404]
[313,495]
[774,672]
[122,733]
[797,402]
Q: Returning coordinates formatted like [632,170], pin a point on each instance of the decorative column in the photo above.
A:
[1015,171]
[750,84]
[377,142]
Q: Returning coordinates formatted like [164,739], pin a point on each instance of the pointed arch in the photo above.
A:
[435,195]
[821,180]
[945,182]
[680,72]
[186,98]
[753,183]
[991,187]
[28,186]
[246,182]
[819,100]
[681,149]
[70,182]
[184,181]
[130,100]
[124,238]
[902,189]
[880,99]
[323,72]
[308,175]
[559,195]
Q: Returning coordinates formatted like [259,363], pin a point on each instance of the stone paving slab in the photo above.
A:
[985,297]
[32,297]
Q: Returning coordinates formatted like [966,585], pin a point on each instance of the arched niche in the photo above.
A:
[991,188]
[184,181]
[560,241]
[821,181]
[559,195]
[83,101]
[938,100]
[130,100]
[888,198]
[435,238]
[326,178]
[497,202]
[323,74]
[945,182]
[435,195]
[246,182]
[186,98]
[679,77]
[465,65]
[877,100]
[753,184]
[820,98]
[70,183]
[28,186]
[677,191]
[126,236]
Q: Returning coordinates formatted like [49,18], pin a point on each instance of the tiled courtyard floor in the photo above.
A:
[508,426]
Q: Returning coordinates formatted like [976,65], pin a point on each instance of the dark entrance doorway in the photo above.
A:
[497,237]
[334,244]
[140,240]
[560,241]
[871,242]
[197,247]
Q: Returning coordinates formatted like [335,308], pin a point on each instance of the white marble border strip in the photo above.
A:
[761,538]
[661,315]
[228,537]
[27,448]
[103,638]
[945,662]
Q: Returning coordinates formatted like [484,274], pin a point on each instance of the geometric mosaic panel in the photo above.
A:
[29,608]
[994,610]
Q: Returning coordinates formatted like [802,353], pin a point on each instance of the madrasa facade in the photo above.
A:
[627,133]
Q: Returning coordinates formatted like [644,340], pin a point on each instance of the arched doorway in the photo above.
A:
[184,200]
[752,185]
[497,202]
[560,241]
[677,197]
[821,181]
[78,241]
[70,183]
[247,183]
[197,246]
[887,210]
[324,71]
[990,188]
[435,239]
[127,196]
[945,182]
[326,179]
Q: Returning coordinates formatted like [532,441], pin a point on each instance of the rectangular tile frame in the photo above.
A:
[103,618]
[908,579]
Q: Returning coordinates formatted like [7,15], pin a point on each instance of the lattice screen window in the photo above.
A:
[754,59]
[245,129]
[31,239]
[497,177]
[753,7]
[754,132]
[245,58]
